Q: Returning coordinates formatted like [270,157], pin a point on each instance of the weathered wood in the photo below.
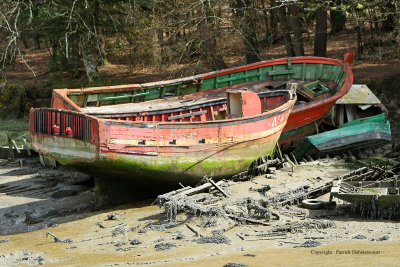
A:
[201,188]
[294,158]
[16,147]
[187,115]
[218,188]
[56,239]
[241,237]
[11,156]
[237,218]
[28,150]
[289,160]
[193,230]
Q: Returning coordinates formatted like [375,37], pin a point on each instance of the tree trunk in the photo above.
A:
[388,23]
[89,61]
[359,42]
[208,41]
[337,18]
[247,29]
[270,19]
[297,29]
[321,36]
[285,32]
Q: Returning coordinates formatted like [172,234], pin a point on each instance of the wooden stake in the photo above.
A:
[16,147]
[218,188]
[193,230]
[28,150]
[11,156]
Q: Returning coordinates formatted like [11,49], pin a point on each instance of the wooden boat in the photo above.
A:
[361,122]
[201,134]
[186,127]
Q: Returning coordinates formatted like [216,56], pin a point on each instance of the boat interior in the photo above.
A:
[206,105]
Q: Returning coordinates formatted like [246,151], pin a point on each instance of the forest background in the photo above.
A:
[47,44]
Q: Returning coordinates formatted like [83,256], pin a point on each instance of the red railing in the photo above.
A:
[64,123]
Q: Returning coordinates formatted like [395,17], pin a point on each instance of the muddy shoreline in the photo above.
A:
[49,216]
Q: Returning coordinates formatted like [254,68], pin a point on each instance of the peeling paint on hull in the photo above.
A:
[188,169]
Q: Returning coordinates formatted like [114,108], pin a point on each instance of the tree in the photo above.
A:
[321,36]
[208,42]
[297,29]
[246,15]
[285,31]
[337,17]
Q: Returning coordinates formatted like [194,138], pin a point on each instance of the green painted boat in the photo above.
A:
[361,133]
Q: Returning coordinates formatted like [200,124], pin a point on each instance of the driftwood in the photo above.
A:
[184,192]
[237,218]
[256,169]
[56,238]
[218,188]
[193,230]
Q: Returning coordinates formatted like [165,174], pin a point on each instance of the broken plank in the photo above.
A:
[237,218]
[218,188]
[193,230]
[16,147]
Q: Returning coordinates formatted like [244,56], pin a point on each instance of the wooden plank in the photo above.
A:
[218,188]
[187,115]
[27,148]
[281,72]
[16,147]
[10,149]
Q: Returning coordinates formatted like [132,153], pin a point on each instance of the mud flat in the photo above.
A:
[49,217]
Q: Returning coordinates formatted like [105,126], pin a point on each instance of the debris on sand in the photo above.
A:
[120,243]
[179,236]
[4,241]
[135,242]
[112,216]
[119,230]
[234,264]
[359,236]
[123,249]
[59,240]
[250,255]
[164,246]
[217,239]
[156,227]
[99,224]
[382,238]
[310,244]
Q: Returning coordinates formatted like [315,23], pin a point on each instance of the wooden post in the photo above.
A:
[16,147]
[11,156]
[27,148]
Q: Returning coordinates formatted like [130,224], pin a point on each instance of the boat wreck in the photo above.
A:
[359,120]
[372,192]
[173,131]
[213,136]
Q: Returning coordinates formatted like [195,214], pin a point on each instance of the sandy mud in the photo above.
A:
[49,217]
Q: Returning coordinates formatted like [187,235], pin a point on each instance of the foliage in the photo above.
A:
[17,129]
[81,34]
